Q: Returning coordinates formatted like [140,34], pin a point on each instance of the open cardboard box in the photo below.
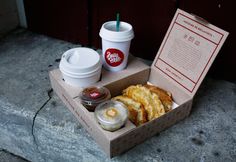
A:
[181,64]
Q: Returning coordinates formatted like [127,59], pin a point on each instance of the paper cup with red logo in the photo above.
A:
[115,45]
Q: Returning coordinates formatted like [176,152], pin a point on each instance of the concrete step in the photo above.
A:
[6,156]
[36,125]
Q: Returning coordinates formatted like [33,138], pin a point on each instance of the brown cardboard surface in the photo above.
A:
[188,50]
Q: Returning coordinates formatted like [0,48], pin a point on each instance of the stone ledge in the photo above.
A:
[208,134]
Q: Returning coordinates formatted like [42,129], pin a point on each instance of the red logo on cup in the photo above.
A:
[114,57]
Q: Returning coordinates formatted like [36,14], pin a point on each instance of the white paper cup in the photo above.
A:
[80,66]
[115,45]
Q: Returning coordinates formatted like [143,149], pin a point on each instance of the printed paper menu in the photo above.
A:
[188,50]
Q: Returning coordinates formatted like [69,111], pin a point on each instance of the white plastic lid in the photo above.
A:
[80,61]
[111,114]
[108,32]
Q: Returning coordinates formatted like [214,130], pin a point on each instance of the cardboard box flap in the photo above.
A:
[188,50]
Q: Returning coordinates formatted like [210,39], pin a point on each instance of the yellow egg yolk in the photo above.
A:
[111,112]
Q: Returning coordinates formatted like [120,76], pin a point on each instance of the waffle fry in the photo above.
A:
[165,97]
[149,100]
[137,113]
[145,103]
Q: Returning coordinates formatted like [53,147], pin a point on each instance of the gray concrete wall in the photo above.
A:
[8,16]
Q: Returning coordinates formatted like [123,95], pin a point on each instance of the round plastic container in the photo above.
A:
[90,97]
[111,115]
[115,45]
[80,66]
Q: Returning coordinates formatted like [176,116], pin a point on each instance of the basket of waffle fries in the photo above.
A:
[145,102]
